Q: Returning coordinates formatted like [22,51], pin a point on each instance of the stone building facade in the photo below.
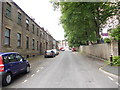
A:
[0,23]
[20,33]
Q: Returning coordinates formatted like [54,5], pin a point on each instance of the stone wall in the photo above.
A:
[101,50]
[0,23]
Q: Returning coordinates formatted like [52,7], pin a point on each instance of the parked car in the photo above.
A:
[56,51]
[11,64]
[62,49]
[49,53]
[73,49]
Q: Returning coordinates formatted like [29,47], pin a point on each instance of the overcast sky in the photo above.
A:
[44,15]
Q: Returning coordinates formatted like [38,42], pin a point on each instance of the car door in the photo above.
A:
[22,63]
[10,63]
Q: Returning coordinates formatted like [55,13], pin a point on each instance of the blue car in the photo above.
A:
[11,64]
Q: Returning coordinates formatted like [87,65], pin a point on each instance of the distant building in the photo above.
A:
[20,33]
[104,35]
[63,44]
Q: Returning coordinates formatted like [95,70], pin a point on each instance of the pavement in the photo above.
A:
[111,70]
[108,69]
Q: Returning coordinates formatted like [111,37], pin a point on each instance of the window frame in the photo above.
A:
[40,34]
[8,10]
[37,45]
[19,18]
[33,44]
[37,32]
[7,37]
[33,28]
[19,40]
[27,24]
[27,42]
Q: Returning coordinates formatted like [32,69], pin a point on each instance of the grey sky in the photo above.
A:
[44,15]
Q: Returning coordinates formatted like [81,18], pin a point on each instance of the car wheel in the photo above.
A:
[8,79]
[28,69]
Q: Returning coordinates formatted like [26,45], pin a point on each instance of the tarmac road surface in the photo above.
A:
[67,70]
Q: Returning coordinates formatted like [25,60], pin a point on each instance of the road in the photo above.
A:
[67,70]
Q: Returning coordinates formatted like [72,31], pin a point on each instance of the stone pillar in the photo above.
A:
[114,48]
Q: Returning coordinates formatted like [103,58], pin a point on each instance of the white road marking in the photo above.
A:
[110,78]
[38,70]
[25,81]
[32,75]
[117,83]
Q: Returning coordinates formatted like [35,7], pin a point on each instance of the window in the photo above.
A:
[12,58]
[27,24]
[27,42]
[8,10]
[19,18]
[43,35]
[19,57]
[5,59]
[40,33]
[19,40]
[33,28]
[7,37]
[33,44]
[9,58]
[37,45]
[37,32]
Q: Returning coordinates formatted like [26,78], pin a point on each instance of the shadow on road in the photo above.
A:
[17,78]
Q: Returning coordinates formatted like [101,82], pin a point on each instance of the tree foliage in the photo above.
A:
[82,21]
[116,33]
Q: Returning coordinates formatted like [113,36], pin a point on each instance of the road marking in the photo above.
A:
[25,81]
[38,70]
[32,75]
[117,83]
[108,73]
[110,78]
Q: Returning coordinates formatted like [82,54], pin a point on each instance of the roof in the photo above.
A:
[1,53]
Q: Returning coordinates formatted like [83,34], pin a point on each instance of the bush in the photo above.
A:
[107,40]
[116,60]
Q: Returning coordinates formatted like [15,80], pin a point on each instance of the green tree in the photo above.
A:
[82,21]
[116,34]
